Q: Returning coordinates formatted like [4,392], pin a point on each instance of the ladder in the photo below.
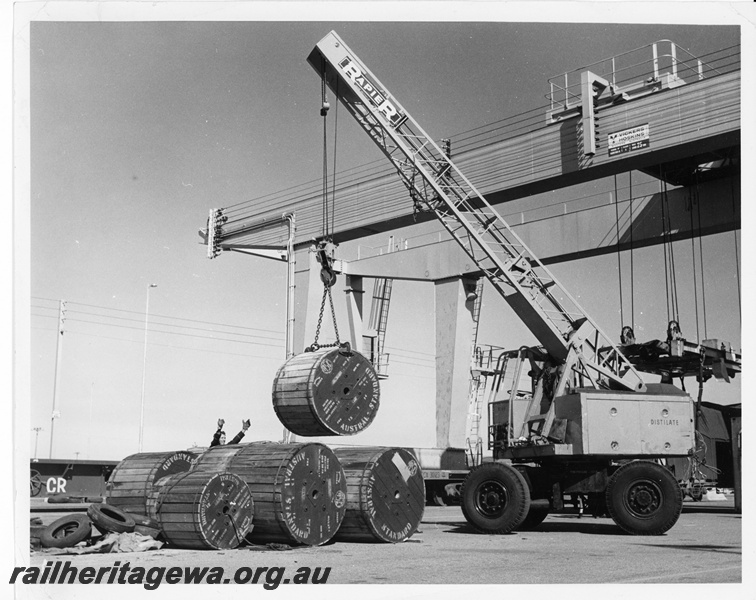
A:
[436,185]
[379,310]
[474,450]
[478,382]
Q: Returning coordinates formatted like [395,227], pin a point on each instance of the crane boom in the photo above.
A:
[573,340]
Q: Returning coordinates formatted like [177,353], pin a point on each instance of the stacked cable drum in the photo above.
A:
[299,490]
[134,478]
[385,494]
[203,510]
[329,391]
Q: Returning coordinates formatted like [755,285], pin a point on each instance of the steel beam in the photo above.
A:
[697,121]
[708,208]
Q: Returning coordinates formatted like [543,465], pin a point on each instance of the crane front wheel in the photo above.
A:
[495,498]
[644,498]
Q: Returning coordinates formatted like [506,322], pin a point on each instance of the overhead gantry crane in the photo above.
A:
[589,422]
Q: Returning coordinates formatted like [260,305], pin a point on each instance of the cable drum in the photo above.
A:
[132,480]
[385,494]
[204,510]
[326,392]
[299,489]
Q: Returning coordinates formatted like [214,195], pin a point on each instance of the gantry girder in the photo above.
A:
[694,136]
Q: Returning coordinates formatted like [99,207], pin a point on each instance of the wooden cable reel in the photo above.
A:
[132,480]
[299,489]
[385,494]
[204,510]
[326,392]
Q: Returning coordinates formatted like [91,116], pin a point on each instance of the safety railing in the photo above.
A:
[639,67]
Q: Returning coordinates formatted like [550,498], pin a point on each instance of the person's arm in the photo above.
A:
[240,435]
[217,434]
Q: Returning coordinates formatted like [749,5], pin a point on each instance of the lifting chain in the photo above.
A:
[345,346]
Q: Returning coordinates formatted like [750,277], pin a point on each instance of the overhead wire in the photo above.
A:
[71,319]
[153,322]
[74,315]
[476,138]
[152,343]
[141,313]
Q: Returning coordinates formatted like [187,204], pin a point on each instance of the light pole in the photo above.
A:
[144,363]
[89,425]
[36,440]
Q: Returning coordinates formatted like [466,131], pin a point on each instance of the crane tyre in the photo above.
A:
[66,531]
[495,498]
[644,498]
[110,518]
[536,515]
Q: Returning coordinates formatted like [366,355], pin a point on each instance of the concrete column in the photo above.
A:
[454,335]
[354,294]
[308,293]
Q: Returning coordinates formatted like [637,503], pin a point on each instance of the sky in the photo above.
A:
[136,129]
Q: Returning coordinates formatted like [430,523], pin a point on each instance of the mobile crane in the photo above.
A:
[589,424]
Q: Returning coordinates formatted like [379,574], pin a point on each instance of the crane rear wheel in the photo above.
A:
[495,498]
[644,498]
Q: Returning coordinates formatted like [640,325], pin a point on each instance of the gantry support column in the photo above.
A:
[354,294]
[454,334]
[307,297]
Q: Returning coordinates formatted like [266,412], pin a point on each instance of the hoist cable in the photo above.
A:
[632,266]
[701,254]
[328,219]
[664,249]
[737,257]
[673,270]
[619,257]
[335,146]
[324,113]
[694,197]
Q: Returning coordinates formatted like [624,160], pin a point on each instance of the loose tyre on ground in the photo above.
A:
[644,498]
[495,498]
[385,494]
[66,531]
[326,392]
[131,482]
[110,519]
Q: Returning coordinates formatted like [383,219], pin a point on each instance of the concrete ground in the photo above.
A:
[703,547]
